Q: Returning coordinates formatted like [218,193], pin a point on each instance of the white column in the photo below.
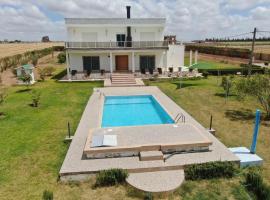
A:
[111,62]
[68,67]
[196,57]
[133,62]
[190,58]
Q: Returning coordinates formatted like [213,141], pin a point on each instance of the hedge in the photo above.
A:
[254,183]
[210,170]
[225,51]
[24,58]
[243,70]
[111,177]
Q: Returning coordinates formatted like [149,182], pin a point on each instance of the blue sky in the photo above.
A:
[188,19]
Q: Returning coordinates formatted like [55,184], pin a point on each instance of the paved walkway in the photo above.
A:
[75,163]
[160,181]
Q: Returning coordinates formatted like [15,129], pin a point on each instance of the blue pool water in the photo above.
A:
[132,111]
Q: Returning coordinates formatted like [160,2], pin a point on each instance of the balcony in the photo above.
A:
[118,45]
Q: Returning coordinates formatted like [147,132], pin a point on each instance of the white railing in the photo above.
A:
[125,44]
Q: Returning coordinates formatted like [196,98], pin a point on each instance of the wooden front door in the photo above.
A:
[121,63]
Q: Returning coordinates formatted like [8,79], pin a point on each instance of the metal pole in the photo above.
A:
[68,130]
[256,130]
[211,120]
[252,52]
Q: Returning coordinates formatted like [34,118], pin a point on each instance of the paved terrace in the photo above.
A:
[152,137]
[76,164]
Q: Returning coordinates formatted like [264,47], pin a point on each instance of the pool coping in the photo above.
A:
[76,164]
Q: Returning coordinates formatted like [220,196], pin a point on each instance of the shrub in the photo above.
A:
[35,95]
[34,60]
[254,183]
[257,86]
[46,71]
[227,84]
[61,57]
[111,177]
[205,73]
[49,70]
[47,195]
[210,170]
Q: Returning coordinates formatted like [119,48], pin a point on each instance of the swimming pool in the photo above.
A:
[133,111]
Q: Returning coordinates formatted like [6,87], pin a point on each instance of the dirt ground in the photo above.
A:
[9,79]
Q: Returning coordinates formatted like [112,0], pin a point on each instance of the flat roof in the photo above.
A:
[115,21]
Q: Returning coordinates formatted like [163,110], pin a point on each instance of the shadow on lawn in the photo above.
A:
[244,114]
[223,95]
[24,90]
[184,85]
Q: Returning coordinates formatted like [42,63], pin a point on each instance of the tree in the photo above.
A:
[35,95]
[257,86]
[227,83]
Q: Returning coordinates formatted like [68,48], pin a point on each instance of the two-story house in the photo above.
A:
[120,44]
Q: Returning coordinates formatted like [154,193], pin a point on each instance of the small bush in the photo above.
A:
[111,177]
[46,71]
[35,95]
[34,60]
[210,170]
[61,57]
[47,195]
[254,183]
[205,73]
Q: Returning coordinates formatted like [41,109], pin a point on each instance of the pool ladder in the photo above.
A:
[180,116]
[101,94]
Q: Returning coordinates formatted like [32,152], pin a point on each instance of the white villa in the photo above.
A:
[120,45]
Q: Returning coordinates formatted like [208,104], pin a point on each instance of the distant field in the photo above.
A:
[18,48]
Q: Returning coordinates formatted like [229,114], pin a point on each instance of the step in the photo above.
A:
[151,155]
[156,182]
[123,79]
[122,76]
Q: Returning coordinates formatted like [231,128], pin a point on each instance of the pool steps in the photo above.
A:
[151,155]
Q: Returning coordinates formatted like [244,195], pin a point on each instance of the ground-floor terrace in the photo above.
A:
[190,139]
[87,62]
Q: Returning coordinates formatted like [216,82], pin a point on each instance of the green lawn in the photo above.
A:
[32,148]
[233,119]
[212,65]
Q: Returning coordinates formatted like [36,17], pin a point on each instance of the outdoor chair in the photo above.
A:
[159,70]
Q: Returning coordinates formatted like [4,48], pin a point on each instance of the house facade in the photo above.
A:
[120,45]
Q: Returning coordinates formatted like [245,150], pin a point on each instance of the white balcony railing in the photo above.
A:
[126,44]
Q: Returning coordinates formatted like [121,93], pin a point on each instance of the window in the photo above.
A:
[120,38]
[91,63]
[147,63]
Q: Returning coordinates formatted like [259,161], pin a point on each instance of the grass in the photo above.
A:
[32,148]
[211,64]
[31,139]
[232,119]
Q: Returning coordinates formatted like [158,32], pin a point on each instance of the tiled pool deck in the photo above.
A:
[76,166]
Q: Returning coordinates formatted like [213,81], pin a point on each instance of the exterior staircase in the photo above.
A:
[122,79]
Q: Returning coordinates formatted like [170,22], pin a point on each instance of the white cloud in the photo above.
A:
[188,19]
